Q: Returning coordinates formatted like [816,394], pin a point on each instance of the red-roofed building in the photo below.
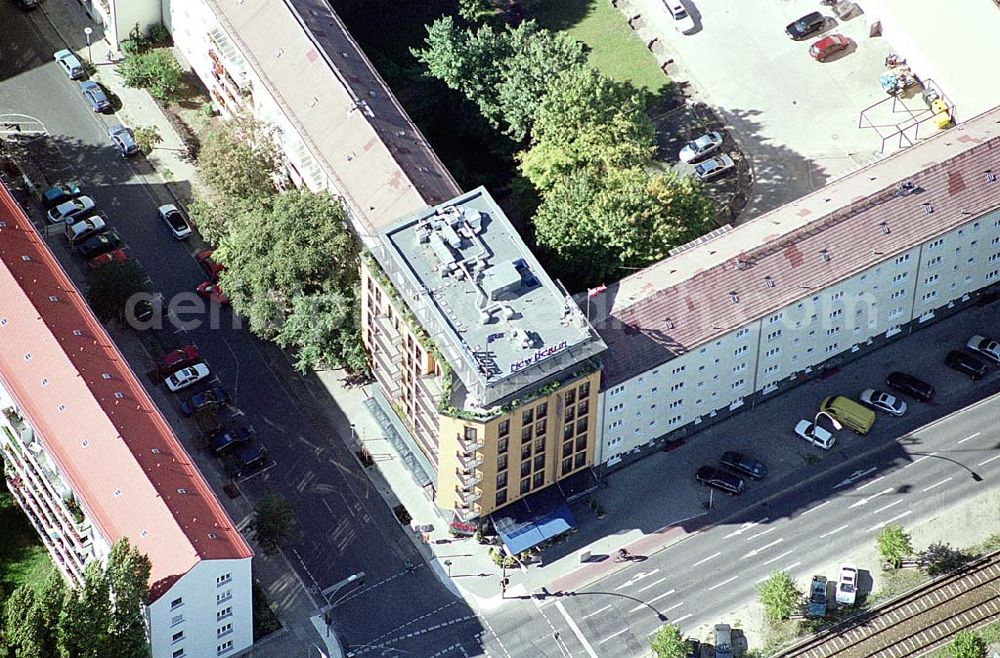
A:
[90,459]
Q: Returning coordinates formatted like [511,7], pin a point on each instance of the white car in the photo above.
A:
[985,346]
[815,435]
[175,221]
[69,64]
[847,584]
[883,402]
[78,231]
[700,147]
[70,209]
[682,19]
[184,378]
[713,167]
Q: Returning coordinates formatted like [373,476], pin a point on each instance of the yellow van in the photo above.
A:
[850,413]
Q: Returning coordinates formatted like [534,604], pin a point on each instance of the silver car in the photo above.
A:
[883,402]
[124,140]
[701,146]
[716,166]
[69,64]
[985,346]
[70,209]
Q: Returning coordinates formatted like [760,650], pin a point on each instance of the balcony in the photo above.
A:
[469,462]
[468,497]
[470,445]
[466,514]
[20,428]
[469,480]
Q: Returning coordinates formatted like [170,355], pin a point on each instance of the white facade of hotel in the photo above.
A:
[725,373]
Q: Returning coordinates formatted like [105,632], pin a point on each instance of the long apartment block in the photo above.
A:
[90,459]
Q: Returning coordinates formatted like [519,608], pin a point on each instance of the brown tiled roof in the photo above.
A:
[381,164]
[687,299]
[95,419]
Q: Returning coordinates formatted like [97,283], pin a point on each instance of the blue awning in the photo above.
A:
[533,520]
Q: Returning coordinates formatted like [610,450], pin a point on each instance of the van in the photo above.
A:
[723,641]
[850,413]
[910,385]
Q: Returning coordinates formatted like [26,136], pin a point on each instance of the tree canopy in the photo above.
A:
[240,158]
[779,595]
[667,642]
[156,71]
[893,544]
[273,520]
[110,286]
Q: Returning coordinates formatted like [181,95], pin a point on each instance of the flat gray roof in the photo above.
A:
[498,319]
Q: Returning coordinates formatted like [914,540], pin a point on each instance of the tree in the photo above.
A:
[49,601]
[668,643]
[779,595]
[156,71]
[110,286]
[272,523]
[967,644]
[84,621]
[147,138]
[240,158]
[893,544]
[941,558]
[23,625]
[127,578]
[587,120]
[323,329]
[476,11]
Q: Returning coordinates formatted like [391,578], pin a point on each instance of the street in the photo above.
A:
[343,526]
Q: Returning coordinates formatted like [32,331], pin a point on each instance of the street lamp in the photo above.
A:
[87,31]
[836,424]
[447,563]
[318,650]
[352,434]
[333,589]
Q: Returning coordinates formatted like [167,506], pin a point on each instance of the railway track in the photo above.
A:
[916,622]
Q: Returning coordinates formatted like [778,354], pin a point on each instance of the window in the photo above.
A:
[617,390]
[581,425]
[738,383]
[176,603]
[542,410]
[502,480]
[831,348]
[540,428]
[224,596]
[179,619]
[768,370]
[571,395]
[526,450]
[837,314]
[615,424]
[223,579]
[569,414]
[676,387]
[896,312]
[567,449]
[539,445]
[937,259]
[740,368]
[837,296]
[584,390]
[678,370]
[833,331]
[470,434]
[581,442]
[504,428]
[934,245]
[567,465]
[539,462]
[771,353]
[676,403]
[568,429]
[742,332]
[222,614]
[502,446]
[673,421]
[775,318]
[615,408]
[224,647]
[179,653]
[501,462]
[774,334]
[993,257]
[931,280]
[527,417]
[501,497]
[225,629]
[526,434]
[538,479]
[897,294]
[525,485]
[584,407]
[741,350]
[900,277]
[579,460]
[177,637]
[992,275]
[902,259]
[928,296]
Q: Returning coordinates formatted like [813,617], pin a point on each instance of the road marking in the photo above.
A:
[885,523]
[706,559]
[937,484]
[637,578]
[865,501]
[680,619]
[652,584]
[885,507]
[988,461]
[759,534]
[824,536]
[724,582]
[597,612]
[775,559]
[969,437]
[881,477]
[855,476]
[613,635]
[811,509]
[746,526]
[792,566]
[676,605]
[763,548]
[914,463]
[651,601]
[576,630]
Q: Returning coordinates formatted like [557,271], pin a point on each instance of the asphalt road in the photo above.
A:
[345,527]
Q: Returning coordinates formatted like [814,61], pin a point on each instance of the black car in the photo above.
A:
[719,479]
[27,4]
[238,436]
[910,385]
[99,244]
[250,460]
[809,24]
[740,463]
[212,398]
[967,364]
[693,648]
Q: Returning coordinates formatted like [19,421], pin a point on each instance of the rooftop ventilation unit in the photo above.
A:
[501,279]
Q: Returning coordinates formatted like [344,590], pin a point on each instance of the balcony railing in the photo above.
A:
[467,513]
[470,445]
[469,480]
[469,462]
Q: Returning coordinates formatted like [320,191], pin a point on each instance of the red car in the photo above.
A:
[212,292]
[212,269]
[116,256]
[828,45]
[177,359]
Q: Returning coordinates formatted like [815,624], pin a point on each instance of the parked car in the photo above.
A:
[693,648]
[809,24]
[719,479]
[79,230]
[70,65]
[212,292]
[986,347]
[700,146]
[848,413]
[234,438]
[966,364]
[829,45]
[99,244]
[716,166]
[682,19]
[70,209]
[124,140]
[740,463]
[723,641]
[186,377]
[175,221]
[816,608]
[145,310]
[213,398]
[847,584]
[113,256]
[95,96]
[212,269]
[27,4]
[176,359]
[909,385]
[883,401]
[54,196]
[815,435]
[250,460]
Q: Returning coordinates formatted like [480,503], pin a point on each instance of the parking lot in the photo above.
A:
[794,118]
